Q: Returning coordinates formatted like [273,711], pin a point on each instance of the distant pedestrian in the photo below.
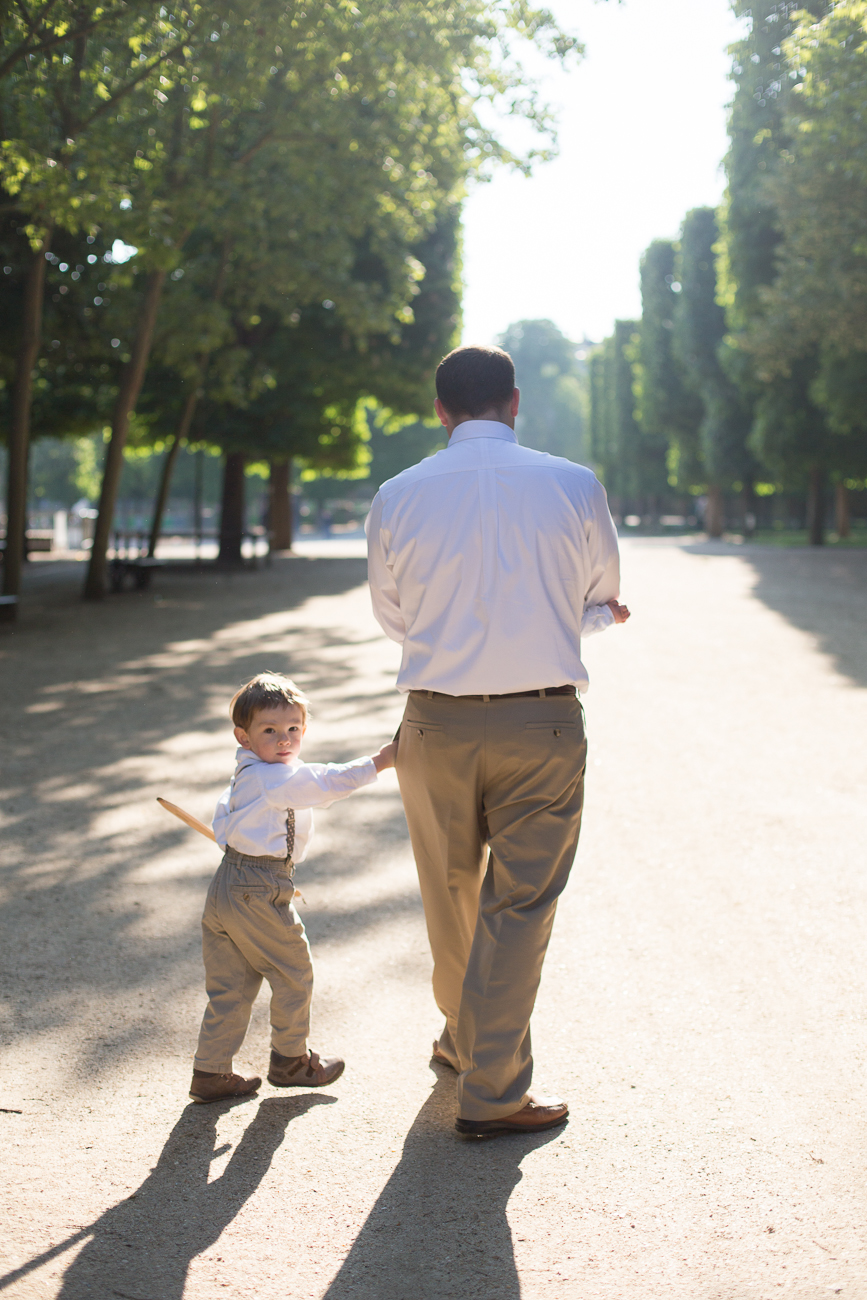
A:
[486,562]
[250,928]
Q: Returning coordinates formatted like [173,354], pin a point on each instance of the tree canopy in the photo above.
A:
[263,164]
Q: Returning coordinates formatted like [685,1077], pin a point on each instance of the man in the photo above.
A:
[483,561]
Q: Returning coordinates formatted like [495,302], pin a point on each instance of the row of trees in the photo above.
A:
[235,222]
[748,368]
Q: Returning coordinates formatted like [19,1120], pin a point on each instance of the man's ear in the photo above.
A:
[242,738]
[516,401]
[442,414]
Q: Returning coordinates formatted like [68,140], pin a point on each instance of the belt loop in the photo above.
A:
[487,699]
[430,695]
[542,693]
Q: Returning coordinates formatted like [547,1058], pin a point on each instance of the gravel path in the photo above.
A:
[703,1007]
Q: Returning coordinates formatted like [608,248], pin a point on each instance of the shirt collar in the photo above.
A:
[482,429]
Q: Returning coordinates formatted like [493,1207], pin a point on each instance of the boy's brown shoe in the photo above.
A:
[307,1071]
[218,1087]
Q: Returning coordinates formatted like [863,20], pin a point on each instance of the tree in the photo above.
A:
[62,74]
[302,391]
[348,99]
[552,399]
[669,409]
[631,464]
[699,331]
[818,188]
[280,389]
[816,307]
[785,433]
[346,131]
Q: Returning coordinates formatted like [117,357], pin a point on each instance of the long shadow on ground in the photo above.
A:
[820,590]
[97,691]
[143,1247]
[439,1227]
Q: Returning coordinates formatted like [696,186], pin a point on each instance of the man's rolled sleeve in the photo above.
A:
[383,588]
[604,577]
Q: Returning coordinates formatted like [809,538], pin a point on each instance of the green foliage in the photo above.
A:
[298,388]
[668,407]
[297,172]
[792,229]
[750,228]
[63,471]
[631,463]
[840,392]
[789,431]
[699,331]
[392,452]
[551,416]
[818,297]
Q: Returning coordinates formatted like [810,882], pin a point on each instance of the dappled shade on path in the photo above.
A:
[104,698]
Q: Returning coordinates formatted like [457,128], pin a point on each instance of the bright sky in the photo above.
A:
[642,135]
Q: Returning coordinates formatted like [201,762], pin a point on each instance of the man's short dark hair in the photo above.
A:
[471,380]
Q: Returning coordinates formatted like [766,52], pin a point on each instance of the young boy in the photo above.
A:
[250,929]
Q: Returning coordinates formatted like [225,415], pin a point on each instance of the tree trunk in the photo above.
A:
[197,501]
[169,467]
[130,387]
[186,420]
[715,515]
[19,425]
[232,511]
[816,506]
[748,497]
[280,505]
[841,501]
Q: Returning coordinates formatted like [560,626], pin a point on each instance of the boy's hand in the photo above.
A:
[620,612]
[386,756]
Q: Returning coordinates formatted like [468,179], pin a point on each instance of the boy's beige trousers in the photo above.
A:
[251,932]
[506,776]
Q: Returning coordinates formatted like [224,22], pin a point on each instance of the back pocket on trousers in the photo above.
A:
[248,892]
[554,728]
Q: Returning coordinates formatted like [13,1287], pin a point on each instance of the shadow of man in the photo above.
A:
[141,1249]
[439,1227]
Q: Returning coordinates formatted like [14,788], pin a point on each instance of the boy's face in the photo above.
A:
[274,735]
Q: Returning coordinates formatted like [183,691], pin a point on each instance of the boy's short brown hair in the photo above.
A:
[265,691]
[472,379]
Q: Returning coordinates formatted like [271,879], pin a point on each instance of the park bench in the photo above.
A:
[139,568]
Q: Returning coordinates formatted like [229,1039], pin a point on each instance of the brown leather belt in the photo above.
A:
[539,694]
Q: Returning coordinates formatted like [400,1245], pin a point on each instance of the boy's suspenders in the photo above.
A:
[290,834]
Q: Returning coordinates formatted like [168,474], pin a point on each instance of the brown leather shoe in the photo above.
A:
[538,1114]
[217,1087]
[307,1071]
[440,1059]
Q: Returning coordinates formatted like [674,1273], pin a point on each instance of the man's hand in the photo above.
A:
[620,612]
[386,756]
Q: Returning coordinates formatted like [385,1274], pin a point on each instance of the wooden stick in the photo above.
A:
[188,818]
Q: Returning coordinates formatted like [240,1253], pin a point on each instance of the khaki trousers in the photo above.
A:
[507,776]
[251,932]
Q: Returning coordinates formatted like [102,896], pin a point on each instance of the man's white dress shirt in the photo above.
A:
[252,811]
[482,562]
